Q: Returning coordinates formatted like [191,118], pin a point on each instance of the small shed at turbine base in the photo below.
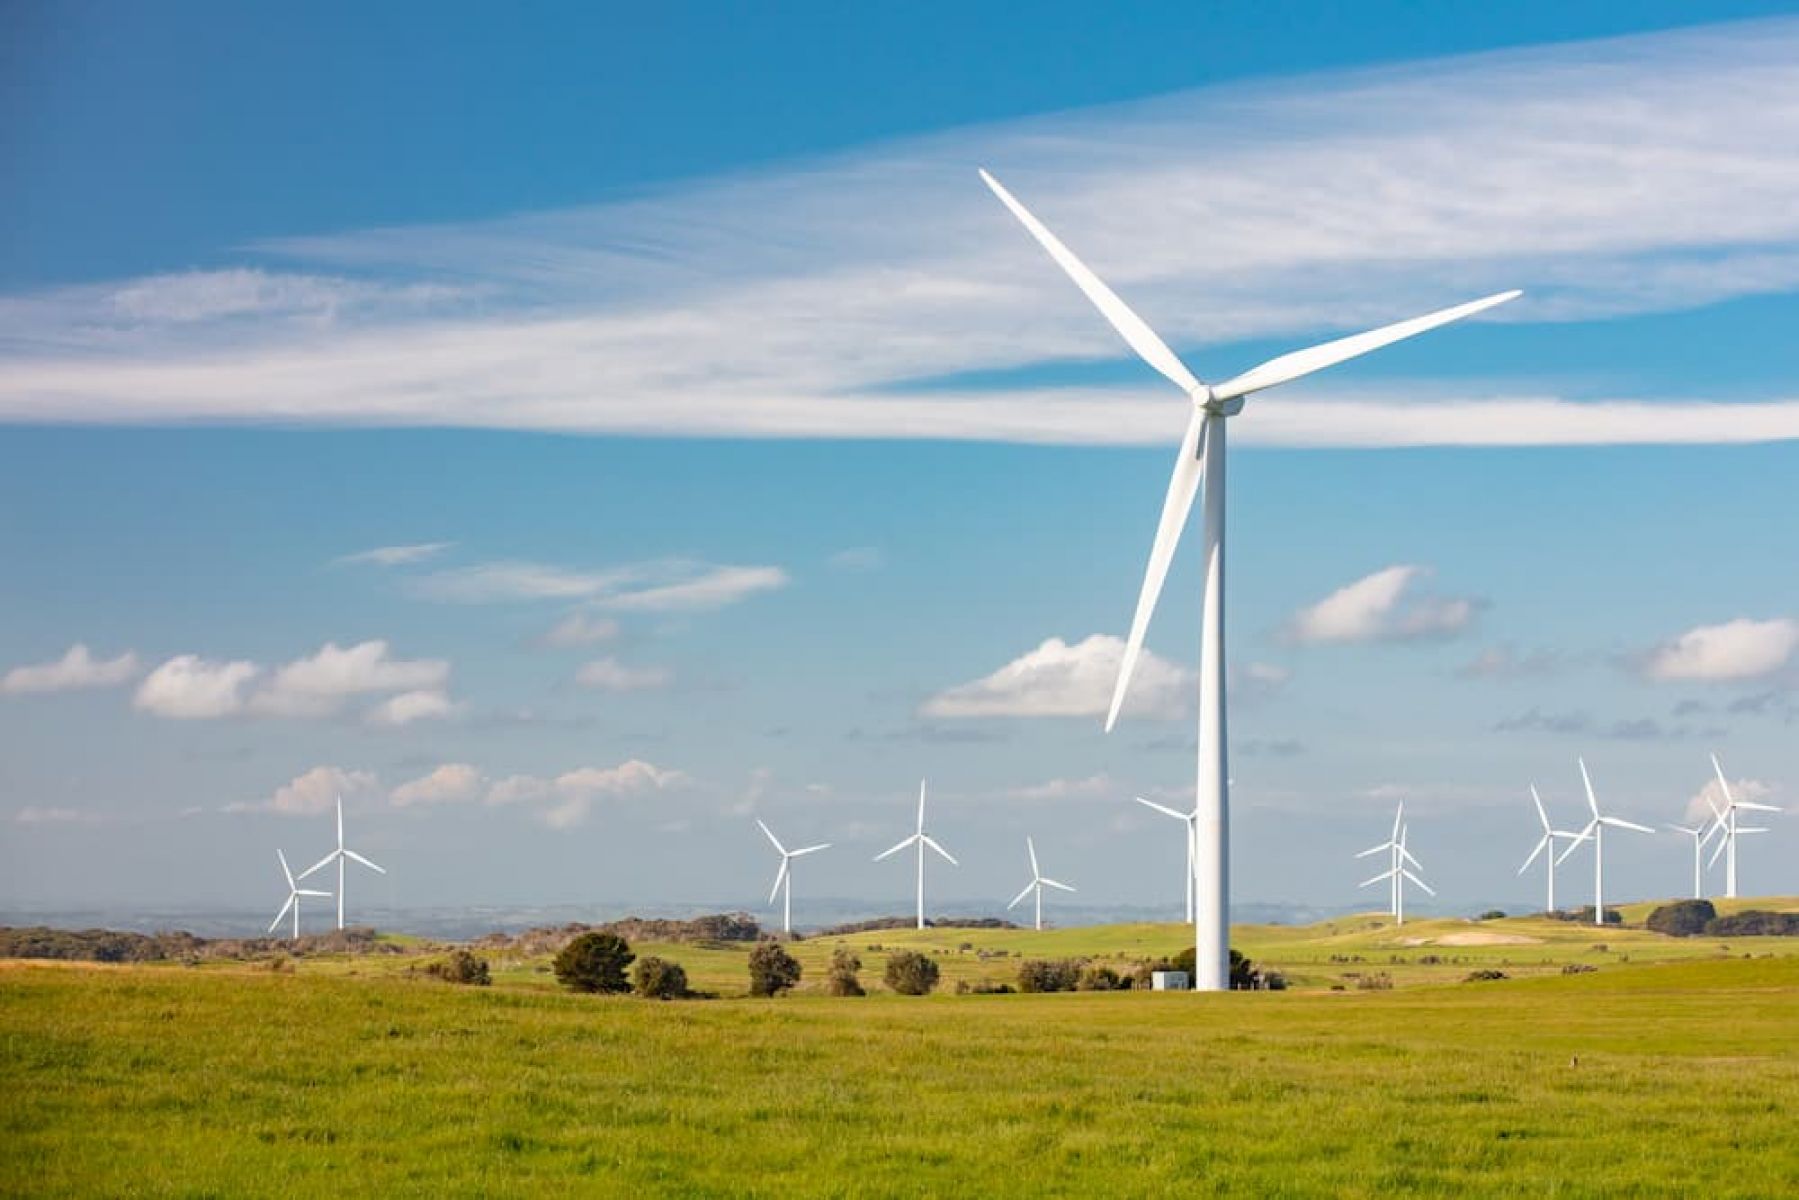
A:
[1170,981]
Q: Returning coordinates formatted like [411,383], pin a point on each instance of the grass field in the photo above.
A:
[237,1080]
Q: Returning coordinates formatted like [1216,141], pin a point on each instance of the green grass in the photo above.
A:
[237,1081]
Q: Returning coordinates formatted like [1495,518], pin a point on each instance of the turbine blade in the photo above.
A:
[1541,813]
[1407,855]
[810,849]
[1722,782]
[921,784]
[1376,879]
[1541,846]
[1183,485]
[1752,807]
[1592,800]
[771,837]
[340,822]
[285,871]
[898,848]
[1723,843]
[1398,822]
[1742,829]
[319,865]
[1375,849]
[932,843]
[1162,808]
[1032,847]
[1137,335]
[351,854]
[1019,899]
[310,892]
[779,876]
[1420,883]
[1621,823]
[1575,844]
[282,913]
[1299,363]
[1053,883]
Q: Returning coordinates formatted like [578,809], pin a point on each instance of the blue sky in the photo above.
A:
[730,453]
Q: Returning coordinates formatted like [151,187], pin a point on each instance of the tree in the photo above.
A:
[910,973]
[1048,975]
[1244,976]
[1683,918]
[659,979]
[461,967]
[1097,977]
[595,962]
[842,980]
[772,970]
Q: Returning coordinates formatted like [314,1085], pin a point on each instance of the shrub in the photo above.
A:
[1243,975]
[772,970]
[659,979]
[983,987]
[842,981]
[1096,977]
[1683,918]
[595,962]
[910,973]
[1578,968]
[1048,975]
[1492,914]
[461,967]
[1382,982]
[1755,923]
[1484,975]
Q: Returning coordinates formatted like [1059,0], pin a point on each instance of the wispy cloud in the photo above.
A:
[610,675]
[395,556]
[1384,606]
[856,296]
[33,814]
[189,687]
[580,629]
[665,586]
[315,792]
[1060,679]
[1506,662]
[567,799]
[76,670]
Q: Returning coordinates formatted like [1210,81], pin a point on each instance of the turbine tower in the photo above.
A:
[1396,873]
[1191,820]
[1201,458]
[341,855]
[1596,830]
[785,875]
[1037,884]
[294,892]
[1547,842]
[1727,821]
[921,839]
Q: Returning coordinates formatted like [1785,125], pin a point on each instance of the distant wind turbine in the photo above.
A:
[1037,884]
[1191,820]
[785,875]
[921,839]
[1596,830]
[1700,837]
[1396,873]
[340,856]
[1726,820]
[294,892]
[1201,459]
[1547,842]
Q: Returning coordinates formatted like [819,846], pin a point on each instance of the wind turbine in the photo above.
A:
[1700,837]
[294,892]
[921,839]
[1547,842]
[1201,458]
[1596,830]
[1727,821]
[340,855]
[1396,873]
[785,874]
[1037,884]
[1191,820]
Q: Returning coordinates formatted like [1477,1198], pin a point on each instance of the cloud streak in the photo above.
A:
[858,296]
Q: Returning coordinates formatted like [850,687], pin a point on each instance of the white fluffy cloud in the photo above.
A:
[1739,649]
[315,792]
[610,675]
[1061,680]
[1382,607]
[427,704]
[452,783]
[661,586]
[75,670]
[566,799]
[188,687]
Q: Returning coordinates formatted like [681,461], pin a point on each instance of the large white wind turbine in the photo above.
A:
[294,892]
[1396,873]
[785,875]
[1201,458]
[1191,821]
[921,839]
[1037,884]
[340,856]
[1595,829]
[1726,820]
[1547,843]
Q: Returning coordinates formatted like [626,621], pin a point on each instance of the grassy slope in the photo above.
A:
[245,1082]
